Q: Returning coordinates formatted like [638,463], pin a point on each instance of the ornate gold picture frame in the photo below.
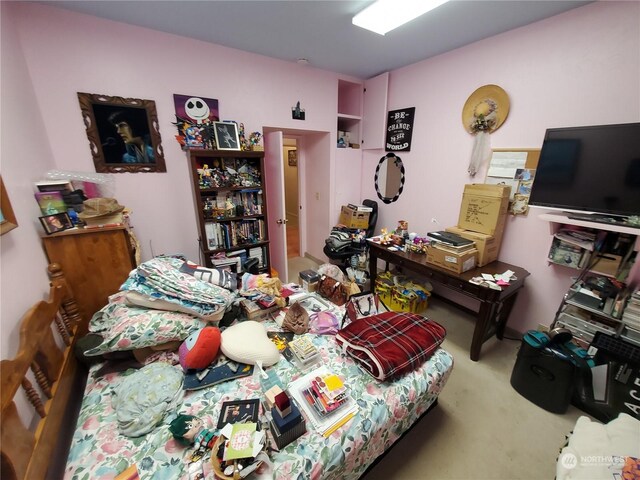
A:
[123,133]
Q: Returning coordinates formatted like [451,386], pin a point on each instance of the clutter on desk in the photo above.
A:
[495,281]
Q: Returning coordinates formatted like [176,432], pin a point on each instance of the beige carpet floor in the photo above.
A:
[482,428]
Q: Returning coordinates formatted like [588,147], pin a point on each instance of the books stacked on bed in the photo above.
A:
[324,399]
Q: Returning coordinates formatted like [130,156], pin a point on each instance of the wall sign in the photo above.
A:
[400,129]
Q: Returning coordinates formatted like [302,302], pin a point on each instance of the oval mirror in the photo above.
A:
[389,178]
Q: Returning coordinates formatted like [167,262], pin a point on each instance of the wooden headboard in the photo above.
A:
[27,454]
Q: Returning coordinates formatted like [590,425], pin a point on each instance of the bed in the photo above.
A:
[385,411]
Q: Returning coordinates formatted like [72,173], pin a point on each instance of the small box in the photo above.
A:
[484,208]
[488,246]
[285,438]
[308,279]
[454,262]
[353,217]
[286,423]
[607,264]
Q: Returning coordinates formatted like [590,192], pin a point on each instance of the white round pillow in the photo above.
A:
[247,342]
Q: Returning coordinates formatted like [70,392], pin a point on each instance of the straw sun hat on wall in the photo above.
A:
[484,112]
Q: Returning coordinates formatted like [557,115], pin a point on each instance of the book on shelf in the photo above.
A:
[570,255]
[324,400]
[577,238]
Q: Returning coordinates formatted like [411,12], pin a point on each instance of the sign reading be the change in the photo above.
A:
[399,129]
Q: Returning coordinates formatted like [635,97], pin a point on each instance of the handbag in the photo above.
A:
[360,306]
[332,290]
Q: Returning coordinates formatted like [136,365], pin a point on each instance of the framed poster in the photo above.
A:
[123,133]
[399,129]
[227,135]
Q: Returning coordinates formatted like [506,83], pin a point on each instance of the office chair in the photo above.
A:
[342,256]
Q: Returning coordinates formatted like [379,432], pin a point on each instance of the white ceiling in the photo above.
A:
[321,31]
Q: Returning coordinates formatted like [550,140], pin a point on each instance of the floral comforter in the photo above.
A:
[386,410]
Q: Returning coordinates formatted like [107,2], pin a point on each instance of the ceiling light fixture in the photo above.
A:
[385,15]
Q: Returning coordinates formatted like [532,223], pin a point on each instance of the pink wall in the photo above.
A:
[51,54]
[578,68]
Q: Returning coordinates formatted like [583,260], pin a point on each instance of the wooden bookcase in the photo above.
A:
[230,201]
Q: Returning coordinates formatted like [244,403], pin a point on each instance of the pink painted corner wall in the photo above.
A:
[578,68]
[50,54]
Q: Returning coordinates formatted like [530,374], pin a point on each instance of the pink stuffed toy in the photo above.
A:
[199,349]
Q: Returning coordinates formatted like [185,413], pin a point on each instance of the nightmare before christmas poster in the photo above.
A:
[193,115]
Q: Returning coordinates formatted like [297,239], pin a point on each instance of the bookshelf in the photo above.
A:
[229,196]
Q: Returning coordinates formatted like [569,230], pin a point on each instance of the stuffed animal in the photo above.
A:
[199,349]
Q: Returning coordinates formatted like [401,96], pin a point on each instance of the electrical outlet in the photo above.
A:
[543,328]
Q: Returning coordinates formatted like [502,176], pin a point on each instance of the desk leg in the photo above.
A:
[373,269]
[482,323]
[503,314]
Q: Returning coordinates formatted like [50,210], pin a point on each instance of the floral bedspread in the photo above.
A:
[386,410]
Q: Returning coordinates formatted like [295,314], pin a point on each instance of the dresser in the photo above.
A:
[95,261]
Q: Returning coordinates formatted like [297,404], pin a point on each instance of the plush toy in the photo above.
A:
[199,349]
[190,431]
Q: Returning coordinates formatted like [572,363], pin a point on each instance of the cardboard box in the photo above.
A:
[453,262]
[488,246]
[484,208]
[353,217]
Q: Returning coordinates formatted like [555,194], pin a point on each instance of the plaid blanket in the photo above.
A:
[390,344]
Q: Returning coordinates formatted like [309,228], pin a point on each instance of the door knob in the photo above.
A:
[281,221]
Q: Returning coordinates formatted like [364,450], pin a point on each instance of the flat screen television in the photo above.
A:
[593,170]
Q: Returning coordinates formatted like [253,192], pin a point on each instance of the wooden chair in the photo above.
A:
[26,454]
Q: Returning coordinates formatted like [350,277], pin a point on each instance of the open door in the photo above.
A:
[277,222]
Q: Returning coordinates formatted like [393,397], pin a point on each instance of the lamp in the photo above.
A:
[385,15]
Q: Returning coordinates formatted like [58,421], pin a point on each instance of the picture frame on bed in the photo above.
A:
[239,411]
[313,304]
[123,133]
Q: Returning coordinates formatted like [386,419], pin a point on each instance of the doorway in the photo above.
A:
[291,196]
[313,202]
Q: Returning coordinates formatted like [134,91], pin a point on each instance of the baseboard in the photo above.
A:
[311,257]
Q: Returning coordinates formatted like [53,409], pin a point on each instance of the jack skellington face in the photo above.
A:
[197,109]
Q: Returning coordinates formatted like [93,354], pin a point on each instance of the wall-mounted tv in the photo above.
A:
[592,169]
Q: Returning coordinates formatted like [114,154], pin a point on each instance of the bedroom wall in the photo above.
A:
[51,54]
[578,68]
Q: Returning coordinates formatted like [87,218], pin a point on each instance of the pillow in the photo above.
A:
[248,342]
[124,327]
[147,301]
[217,276]
[199,349]
[143,398]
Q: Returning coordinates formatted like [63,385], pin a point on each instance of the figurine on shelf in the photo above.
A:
[254,141]
[205,176]
[244,143]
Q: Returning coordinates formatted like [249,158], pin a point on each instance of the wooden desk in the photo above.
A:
[495,305]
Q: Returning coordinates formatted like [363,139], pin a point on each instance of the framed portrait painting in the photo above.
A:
[123,133]
[227,137]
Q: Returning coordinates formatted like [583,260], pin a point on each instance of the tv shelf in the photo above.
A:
[565,218]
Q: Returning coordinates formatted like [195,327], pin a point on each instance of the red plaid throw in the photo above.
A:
[390,344]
